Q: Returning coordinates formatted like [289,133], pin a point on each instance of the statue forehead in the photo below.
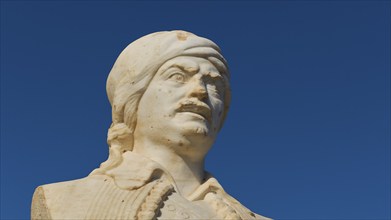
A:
[188,63]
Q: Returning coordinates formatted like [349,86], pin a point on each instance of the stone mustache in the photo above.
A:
[170,94]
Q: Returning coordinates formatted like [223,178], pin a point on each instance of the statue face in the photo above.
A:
[184,97]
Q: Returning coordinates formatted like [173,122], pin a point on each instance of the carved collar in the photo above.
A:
[135,171]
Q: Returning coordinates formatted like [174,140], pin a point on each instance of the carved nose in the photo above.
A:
[199,91]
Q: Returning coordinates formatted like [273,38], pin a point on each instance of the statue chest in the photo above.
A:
[105,200]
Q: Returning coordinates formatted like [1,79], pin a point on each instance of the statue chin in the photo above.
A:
[196,128]
[170,94]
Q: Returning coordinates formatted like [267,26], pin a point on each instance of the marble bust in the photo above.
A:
[169,93]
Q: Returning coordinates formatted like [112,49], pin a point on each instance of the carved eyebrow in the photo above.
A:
[215,75]
[189,69]
[193,69]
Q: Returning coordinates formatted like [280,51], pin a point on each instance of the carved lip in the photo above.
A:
[197,107]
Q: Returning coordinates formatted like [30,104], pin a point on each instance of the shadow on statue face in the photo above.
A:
[184,99]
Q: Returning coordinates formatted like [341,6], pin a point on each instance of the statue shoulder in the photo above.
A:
[262,217]
[39,209]
[53,199]
[243,210]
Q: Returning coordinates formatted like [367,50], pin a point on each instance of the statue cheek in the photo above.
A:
[218,110]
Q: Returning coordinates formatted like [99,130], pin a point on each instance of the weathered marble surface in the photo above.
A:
[170,94]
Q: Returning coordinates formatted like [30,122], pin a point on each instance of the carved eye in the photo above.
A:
[179,77]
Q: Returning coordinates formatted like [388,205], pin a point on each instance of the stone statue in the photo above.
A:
[169,93]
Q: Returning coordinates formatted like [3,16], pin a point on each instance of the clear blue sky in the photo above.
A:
[308,133]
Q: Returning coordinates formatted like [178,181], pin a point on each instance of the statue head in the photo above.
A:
[173,59]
